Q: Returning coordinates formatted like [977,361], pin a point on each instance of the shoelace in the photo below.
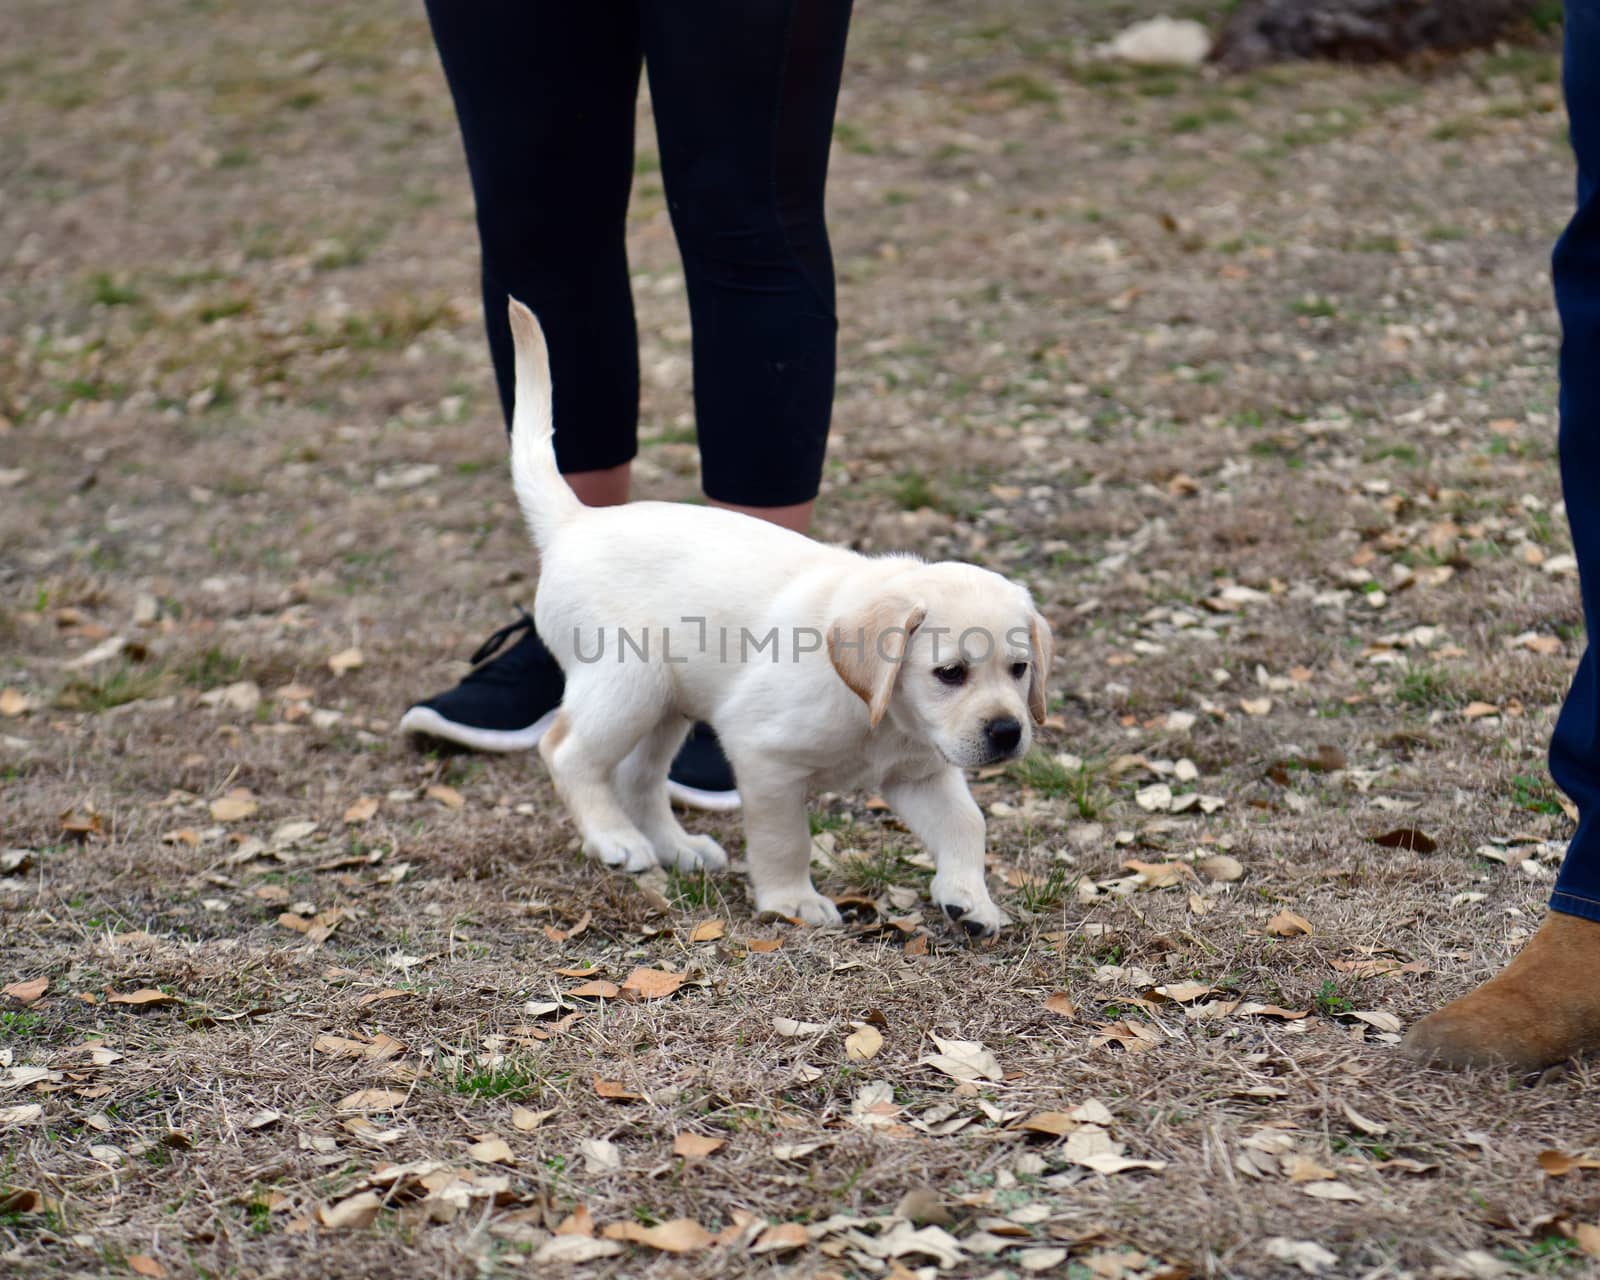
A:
[496,642]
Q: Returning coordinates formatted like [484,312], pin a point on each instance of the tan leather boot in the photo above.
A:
[1542,1008]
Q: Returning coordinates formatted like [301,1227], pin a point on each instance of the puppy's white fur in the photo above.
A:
[858,690]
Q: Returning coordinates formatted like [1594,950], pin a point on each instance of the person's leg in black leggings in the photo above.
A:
[546,95]
[744,94]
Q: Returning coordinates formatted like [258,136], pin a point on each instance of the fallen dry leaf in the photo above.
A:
[346,660]
[1252,1009]
[652,984]
[143,1264]
[600,1155]
[964,1060]
[1558,1164]
[22,1114]
[29,991]
[1060,1002]
[681,1235]
[574,1249]
[779,1239]
[708,931]
[615,1090]
[13,702]
[792,1027]
[762,945]
[1160,875]
[1331,1191]
[692,1146]
[525,1120]
[446,795]
[1220,866]
[1372,1127]
[1288,924]
[359,1210]
[235,806]
[362,810]
[143,996]
[372,1100]
[1255,706]
[491,1150]
[599,989]
[863,1043]
[1587,1237]
[580,1222]
[1411,838]
[1055,1124]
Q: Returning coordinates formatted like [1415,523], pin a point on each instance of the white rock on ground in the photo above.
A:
[1161,42]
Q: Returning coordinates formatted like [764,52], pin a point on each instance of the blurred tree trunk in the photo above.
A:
[1370,30]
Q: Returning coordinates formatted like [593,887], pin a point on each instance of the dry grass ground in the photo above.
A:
[1251,379]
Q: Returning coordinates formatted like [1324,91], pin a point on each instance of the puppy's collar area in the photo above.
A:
[497,641]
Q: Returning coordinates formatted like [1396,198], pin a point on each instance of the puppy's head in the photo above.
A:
[952,654]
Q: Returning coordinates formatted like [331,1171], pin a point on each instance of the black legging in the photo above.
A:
[744,93]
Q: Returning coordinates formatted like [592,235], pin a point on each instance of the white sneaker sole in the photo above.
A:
[425,720]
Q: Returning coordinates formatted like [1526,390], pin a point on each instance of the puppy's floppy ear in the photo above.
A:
[1042,652]
[868,650]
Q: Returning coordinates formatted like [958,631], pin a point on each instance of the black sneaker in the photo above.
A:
[701,777]
[504,704]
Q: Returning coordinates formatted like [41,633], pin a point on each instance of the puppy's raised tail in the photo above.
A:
[546,499]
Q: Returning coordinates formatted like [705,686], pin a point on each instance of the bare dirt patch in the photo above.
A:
[1251,379]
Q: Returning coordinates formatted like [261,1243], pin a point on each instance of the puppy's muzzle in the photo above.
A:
[1002,735]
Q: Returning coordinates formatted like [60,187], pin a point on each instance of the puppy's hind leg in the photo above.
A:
[642,788]
[602,719]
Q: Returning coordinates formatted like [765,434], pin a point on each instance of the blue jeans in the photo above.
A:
[1575,745]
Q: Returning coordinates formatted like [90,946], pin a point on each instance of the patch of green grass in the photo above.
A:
[510,1078]
[1460,128]
[851,138]
[1049,777]
[1330,128]
[1424,688]
[223,309]
[110,292]
[1378,244]
[213,667]
[109,688]
[1195,121]
[876,872]
[392,326]
[19,1022]
[690,889]
[1442,233]
[1314,307]
[1055,890]
[1534,794]
[1330,1001]
[1023,88]
[821,822]
[1552,1256]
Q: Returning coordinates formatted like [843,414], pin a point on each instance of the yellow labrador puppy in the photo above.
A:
[816,666]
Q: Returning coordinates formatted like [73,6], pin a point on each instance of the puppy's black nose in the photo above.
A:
[1003,734]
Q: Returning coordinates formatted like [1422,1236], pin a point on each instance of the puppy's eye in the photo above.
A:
[1019,670]
[954,674]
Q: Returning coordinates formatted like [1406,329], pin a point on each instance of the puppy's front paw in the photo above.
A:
[625,850]
[971,908]
[801,904]
[693,853]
